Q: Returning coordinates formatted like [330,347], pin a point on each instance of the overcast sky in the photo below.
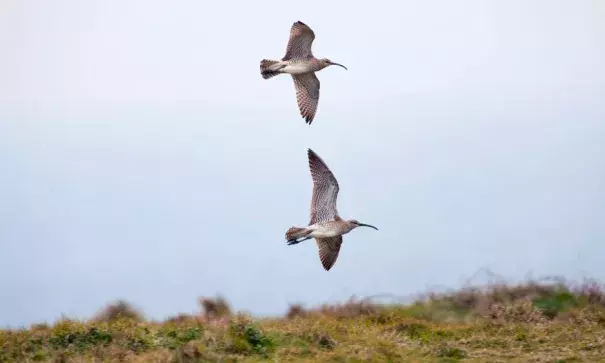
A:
[143,157]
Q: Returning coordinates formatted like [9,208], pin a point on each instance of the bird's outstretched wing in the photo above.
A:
[328,250]
[299,44]
[325,190]
[307,94]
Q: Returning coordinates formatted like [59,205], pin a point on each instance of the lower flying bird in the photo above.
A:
[325,226]
[302,65]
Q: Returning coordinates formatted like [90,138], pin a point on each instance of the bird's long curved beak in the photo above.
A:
[367,225]
[338,64]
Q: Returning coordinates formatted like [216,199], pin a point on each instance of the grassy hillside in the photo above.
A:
[530,322]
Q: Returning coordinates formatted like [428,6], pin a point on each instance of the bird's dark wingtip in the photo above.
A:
[312,156]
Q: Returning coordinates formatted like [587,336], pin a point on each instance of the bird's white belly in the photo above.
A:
[296,69]
[323,232]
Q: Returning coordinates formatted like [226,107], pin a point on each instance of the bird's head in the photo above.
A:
[326,62]
[355,223]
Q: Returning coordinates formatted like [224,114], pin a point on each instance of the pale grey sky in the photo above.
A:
[143,157]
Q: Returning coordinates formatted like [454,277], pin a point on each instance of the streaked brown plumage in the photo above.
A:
[325,225]
[300,63]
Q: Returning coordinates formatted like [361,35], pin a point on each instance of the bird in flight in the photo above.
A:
[300,63]
[325,226]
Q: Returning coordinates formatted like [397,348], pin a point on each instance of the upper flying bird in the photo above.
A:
[302,65]
[325,226]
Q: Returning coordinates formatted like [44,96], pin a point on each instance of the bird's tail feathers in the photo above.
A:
[296,233]
[268,69]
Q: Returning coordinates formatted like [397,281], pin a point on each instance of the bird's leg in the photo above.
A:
[295,241]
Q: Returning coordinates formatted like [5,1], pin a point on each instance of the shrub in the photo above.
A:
[296,310]
[215,308]
[118,310]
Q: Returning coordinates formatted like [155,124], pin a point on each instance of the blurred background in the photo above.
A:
[143,157]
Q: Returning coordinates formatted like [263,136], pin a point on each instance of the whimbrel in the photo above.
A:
[302,65]
[325,226]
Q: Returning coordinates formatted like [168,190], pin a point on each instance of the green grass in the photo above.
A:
[523,323]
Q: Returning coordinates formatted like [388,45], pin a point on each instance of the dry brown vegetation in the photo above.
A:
[529,322]
[215,308]
[118,310]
